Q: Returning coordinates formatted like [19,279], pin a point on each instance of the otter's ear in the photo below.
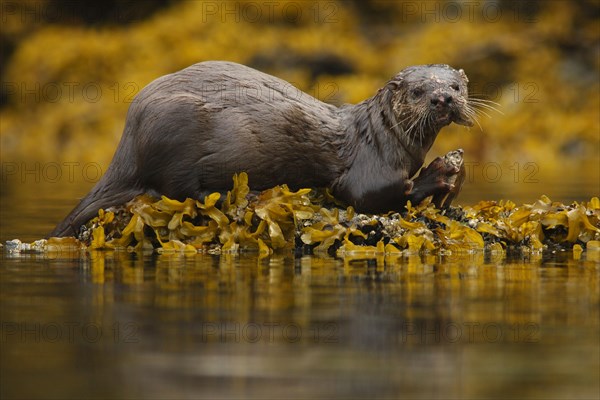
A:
[393,84]
[463,75]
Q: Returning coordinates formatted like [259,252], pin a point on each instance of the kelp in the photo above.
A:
[279,219]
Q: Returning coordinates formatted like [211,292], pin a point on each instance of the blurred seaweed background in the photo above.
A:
[71,68]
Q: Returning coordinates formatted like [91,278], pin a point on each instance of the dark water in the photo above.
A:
[147,326]
[119,325]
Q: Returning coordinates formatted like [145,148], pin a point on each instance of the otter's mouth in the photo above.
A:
[446,117]
[461,120]
[443,118]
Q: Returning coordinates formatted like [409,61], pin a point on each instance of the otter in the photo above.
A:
[187,133]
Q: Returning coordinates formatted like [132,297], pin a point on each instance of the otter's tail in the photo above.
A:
[100,197]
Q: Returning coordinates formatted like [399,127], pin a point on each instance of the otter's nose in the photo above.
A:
[441,100]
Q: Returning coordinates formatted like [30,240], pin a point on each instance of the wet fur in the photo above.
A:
[187,133]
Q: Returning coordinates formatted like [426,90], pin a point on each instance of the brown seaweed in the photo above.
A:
[280,219]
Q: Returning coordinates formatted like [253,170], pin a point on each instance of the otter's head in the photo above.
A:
[428,97]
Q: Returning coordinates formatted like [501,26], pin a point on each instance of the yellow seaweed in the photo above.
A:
[202,234]
[485,227]
[263,249]
[98,238]
[519,216]
[412,243]
[281,209]
[134,229]
[391,249]
[460,237]
[277,217]
[554,219]
[176,246]
[349,248]
[577,251]
[151,216]
[496,248]
[236,197]
[209,209]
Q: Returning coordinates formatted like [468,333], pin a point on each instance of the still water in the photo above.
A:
[119,325]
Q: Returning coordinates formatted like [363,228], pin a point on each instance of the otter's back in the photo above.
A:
[197,127]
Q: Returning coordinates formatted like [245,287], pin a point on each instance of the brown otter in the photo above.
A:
[188,132]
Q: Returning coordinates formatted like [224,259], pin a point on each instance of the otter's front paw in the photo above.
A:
[453,161]
[442,179]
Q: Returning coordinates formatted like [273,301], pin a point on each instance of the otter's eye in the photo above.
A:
[455,86]
[417,93]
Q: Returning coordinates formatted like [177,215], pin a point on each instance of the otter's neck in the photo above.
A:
[372,126]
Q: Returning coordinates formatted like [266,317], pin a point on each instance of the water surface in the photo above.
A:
[121,325]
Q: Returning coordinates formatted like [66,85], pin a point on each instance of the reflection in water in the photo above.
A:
[114,324]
